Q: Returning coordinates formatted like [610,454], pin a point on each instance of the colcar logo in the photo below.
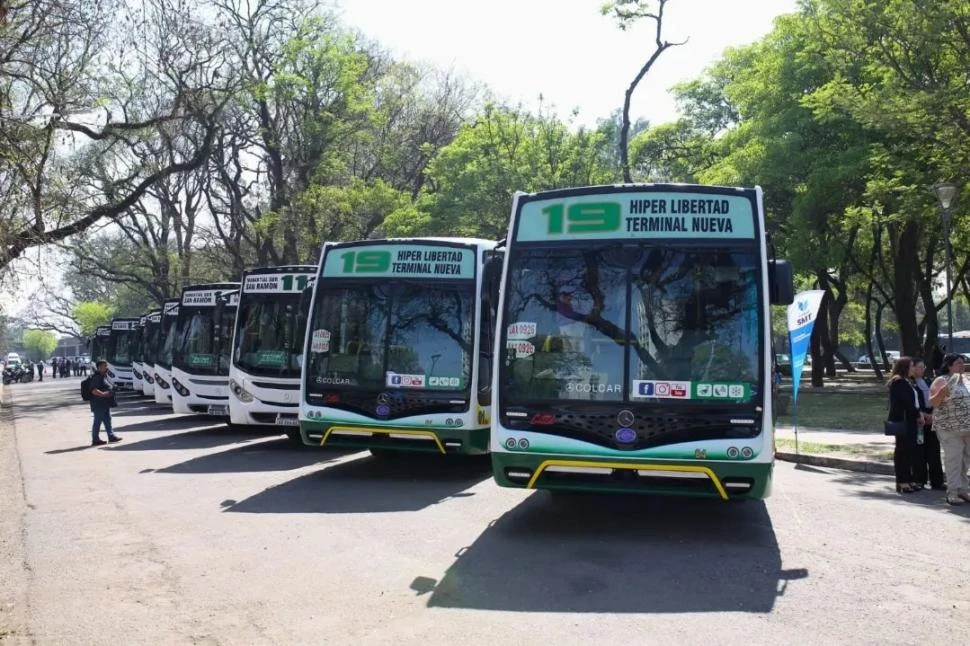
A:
[383,398]
[625,418]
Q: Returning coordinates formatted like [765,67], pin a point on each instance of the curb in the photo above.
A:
[861,466]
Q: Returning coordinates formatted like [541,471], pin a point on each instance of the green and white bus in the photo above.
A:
[398,347]
[634,343]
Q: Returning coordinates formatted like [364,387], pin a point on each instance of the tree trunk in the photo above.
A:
[905,267]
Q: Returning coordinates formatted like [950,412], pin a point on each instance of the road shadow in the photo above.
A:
[202,438]
[408,482]
[618,554]
[860,484]
[142,408]
[169,423]
[73,449]
[270,455]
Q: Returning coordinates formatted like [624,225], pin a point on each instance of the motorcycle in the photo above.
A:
[17,373]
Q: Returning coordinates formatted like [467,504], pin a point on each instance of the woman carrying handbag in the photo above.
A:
[904,417]
[951,420]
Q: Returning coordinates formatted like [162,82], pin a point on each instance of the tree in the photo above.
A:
[626,13]
[503,151]
[70,111]
[40,343]
[90,315]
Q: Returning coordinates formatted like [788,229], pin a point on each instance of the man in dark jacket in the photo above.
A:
[102,401]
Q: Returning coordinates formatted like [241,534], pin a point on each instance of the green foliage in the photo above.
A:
[503,151]
[40,343]
[91,314]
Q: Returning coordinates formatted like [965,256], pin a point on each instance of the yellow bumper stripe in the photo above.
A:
[385,431]
[631,466]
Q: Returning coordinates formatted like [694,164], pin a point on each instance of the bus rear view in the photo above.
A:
[635,342]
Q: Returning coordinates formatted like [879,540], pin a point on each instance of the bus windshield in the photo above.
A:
[152,336]
[632,321]
[269,335]
[202,344]
[393,335]
[167,338]
[121,346]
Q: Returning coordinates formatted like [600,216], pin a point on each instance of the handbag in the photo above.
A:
[894,428]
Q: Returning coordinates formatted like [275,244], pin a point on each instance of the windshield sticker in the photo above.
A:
[520,348]
[721,390]
[394,380]
[584,387]
[661,389]
[444,382]
[272,357]
[320,341]
[124,325]
[202,360]
[520,331]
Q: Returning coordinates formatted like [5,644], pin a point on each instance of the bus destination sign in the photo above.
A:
[638,215]
[400,260]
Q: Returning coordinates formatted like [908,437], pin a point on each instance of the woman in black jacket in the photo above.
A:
[904,406]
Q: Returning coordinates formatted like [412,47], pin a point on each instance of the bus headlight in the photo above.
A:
[241,393]
[161,382]
[179,388]
[111,374]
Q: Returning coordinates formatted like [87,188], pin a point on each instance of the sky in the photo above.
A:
[564,49]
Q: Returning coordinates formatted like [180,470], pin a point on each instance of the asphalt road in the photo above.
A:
[189,533]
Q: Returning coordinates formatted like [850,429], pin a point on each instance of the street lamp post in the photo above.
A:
[946,192]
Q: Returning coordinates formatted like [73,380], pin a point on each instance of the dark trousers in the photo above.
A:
[905,458]
[929,465]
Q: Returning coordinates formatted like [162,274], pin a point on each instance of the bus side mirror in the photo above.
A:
[781,282]
[492,274]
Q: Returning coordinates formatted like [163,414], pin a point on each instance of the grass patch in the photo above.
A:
[818,448]
[862,411]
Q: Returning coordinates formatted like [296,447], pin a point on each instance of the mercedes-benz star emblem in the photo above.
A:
[383,398]
[625,418]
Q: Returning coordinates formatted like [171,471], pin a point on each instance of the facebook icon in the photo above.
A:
[645,389]
[395,380]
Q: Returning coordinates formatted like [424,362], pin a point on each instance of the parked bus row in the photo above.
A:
[618,339]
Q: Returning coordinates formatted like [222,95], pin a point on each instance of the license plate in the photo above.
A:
[218,410]
[287,421]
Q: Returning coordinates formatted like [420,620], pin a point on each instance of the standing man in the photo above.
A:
[40,370]
[102,401]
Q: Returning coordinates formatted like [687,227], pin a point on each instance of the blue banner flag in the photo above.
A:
[801,320]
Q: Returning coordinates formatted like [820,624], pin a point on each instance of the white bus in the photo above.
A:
[149,348]
[635,334]
[167,338]
[138,357]
[200,364]
[267,355]
[119,353]
[398,348]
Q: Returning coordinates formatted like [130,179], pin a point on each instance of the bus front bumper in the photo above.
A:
[448,440]
[699,478]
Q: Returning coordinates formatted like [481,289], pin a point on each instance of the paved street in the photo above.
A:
[189,533]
